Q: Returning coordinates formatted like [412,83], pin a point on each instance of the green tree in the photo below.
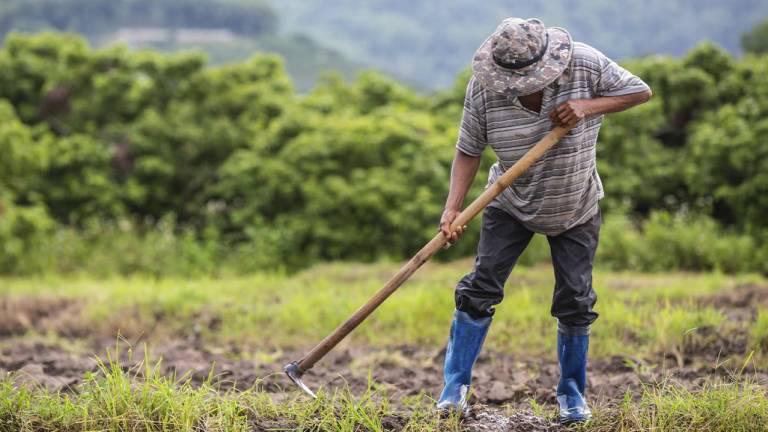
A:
[756,40]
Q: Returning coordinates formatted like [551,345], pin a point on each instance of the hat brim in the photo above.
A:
[527,80]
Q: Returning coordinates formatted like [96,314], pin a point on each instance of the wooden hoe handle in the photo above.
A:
[434,245]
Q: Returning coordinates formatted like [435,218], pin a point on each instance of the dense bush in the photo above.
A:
[679,241]
[118,162]
[24,231]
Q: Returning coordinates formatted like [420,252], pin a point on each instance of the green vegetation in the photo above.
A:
[657,313]
[756,40]
[717,408]
[150,197]
[644,318]
[142,400]
[123,162]
[115,400]
[759,332]
[428,42]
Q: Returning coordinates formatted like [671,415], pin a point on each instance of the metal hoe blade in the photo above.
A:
[295,373]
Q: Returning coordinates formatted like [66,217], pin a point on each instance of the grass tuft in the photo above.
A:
[140,399]
[715,407]
[759,331]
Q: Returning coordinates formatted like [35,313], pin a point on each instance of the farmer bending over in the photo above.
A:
[527,78]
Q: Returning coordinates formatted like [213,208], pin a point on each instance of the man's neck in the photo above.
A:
[532,102]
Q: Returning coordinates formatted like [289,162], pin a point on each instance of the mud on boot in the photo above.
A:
[464,344]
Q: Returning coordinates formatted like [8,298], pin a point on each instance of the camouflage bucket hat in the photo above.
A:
[522,57]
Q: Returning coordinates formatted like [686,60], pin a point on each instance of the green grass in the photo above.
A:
[759,331]
[722,407]
[275,311]
[142,400]
[641,315]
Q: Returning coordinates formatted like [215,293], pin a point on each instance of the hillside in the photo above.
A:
[427,42]
[227,30]
[424,44]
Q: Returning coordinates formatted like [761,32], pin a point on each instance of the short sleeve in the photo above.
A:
[472,133]
[614,80]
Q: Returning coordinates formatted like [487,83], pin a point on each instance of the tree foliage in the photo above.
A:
[756,40]
[235,163]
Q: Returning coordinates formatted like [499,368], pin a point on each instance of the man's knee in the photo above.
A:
[573,254]
[574,308]
[477,296]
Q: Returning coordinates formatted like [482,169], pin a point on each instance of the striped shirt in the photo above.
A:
[562,189]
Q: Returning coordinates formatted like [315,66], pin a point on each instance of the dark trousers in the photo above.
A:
[503,239]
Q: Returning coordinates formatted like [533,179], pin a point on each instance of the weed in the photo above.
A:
[759,331]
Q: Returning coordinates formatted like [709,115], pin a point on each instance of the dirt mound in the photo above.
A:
[63,316]
[745,296]
[19,315]
[40,365]
[711,345]
[740,303]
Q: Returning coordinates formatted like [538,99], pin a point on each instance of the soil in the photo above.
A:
[501,381]
[504,385]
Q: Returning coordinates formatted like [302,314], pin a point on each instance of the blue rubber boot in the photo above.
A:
[572,346]
[466,339]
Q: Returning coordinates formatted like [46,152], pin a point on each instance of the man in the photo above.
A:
[527,78]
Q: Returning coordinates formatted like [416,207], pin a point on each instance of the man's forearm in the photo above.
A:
[614,104]
[463,173]
[572,111]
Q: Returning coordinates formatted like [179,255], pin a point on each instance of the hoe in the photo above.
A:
[295,370]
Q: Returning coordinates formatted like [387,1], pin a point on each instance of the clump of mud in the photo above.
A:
[489,419]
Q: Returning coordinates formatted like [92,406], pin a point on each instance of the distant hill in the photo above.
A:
[98,17]
[228,30]
[428,41]
[424,43]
